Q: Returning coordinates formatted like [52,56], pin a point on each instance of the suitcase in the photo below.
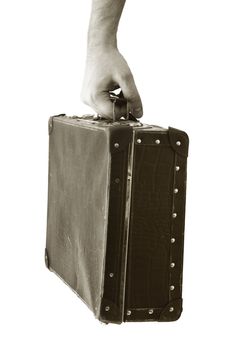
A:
[116,214]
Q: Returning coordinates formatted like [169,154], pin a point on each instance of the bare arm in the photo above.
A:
[106,69]
[105,16]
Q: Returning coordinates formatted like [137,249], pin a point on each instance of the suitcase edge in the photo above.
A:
[120,147]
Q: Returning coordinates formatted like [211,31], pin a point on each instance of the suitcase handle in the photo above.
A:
[120,100]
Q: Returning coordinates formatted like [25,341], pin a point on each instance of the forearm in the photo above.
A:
[106,69]
[105,16]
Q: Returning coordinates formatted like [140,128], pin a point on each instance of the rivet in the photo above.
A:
[128,312]
[177,168]
[117,180]
[171,309]
[107,308]
[172,265]
[151,311]
[172,287]
[178,143]
[174,215]
[46,259]
[157,142]
[173,240]
[139,141]
[116,145]
[176,190]
[111,274]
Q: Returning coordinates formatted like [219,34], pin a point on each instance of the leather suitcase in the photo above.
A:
[116,214]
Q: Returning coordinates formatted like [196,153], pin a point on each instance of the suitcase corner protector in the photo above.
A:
[109,312]
[179,141]
[120,138]
[172,311]
[50,122]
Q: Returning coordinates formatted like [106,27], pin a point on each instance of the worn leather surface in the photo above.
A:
[150,276]
[149,245]
[77,208]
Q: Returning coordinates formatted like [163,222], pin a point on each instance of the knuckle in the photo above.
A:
[126,76]
[134,98]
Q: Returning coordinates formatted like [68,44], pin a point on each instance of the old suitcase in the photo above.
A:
[116,210]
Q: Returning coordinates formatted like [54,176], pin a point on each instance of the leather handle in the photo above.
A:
[120,100]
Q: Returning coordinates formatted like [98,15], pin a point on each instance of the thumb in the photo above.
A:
[103,105]
[131,94]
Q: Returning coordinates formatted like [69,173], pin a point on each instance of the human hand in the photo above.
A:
[107,70]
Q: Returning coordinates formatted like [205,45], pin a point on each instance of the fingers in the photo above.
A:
[131,94]
[105,73]
[105,107]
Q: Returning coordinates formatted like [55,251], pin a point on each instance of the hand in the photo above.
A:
[107,70]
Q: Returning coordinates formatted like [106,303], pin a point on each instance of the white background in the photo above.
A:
[181,55]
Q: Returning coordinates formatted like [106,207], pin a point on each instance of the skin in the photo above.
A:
[106,69]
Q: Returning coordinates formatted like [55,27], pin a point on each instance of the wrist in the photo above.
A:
[103,39]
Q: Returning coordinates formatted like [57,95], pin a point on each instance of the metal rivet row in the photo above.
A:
[174,215]
[150,312]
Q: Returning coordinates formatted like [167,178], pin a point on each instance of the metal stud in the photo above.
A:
[172,287]
[117,180]
[111,274]
[177,168]
[174,215]
[172,265]
[178,143]
[173,240]
[128,313]
[176,190]
[46,258]
[107,308]
[116,145]
[139,141]
[157,142]
[151,311]
[171,309]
